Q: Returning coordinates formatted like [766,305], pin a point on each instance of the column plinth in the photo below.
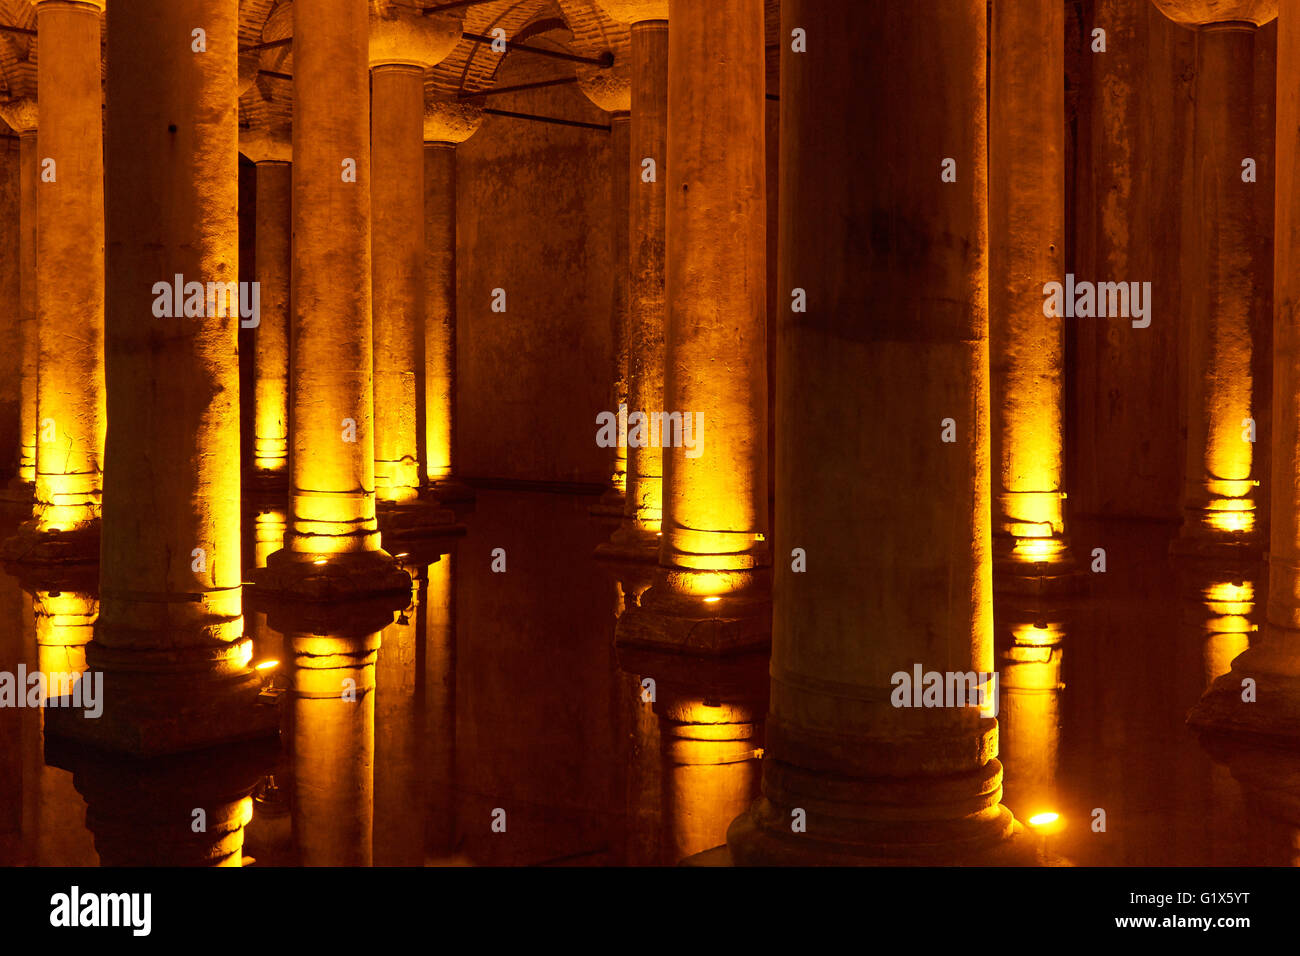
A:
[70,413]
[902,579]
[711,590]
[332,550]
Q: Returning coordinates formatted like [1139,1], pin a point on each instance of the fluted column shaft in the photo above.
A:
[398,171]
[70,266]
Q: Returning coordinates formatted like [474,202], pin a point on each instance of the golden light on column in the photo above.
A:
[895,324]
[447,124]
[333,744]
[611,90]
[713,542]
[1027,250]
[639,536]
[332,549]
[402,47]
[21,115]
[711,768]
[70,415]
[272,152]
[1261,692]
[1220,275]
[169,638]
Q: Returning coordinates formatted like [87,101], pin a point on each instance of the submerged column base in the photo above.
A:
[30,545]
[929,819]
[19,489]
[1036,566]
[450,490]
[678,614]
[345,576]
[152,714]
[630,543]
[401,521]
[1273,663]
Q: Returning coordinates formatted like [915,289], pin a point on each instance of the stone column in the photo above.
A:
[447,124]
[1261,693]
[169,639]
[272,151]
[890,355]
[332,549]
[1219,480]
[70,287]
[638,537]
[610,90]
[401,49]
[711,591]
[1026,251]
[21,116]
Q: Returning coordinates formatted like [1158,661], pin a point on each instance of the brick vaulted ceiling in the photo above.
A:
[579,26]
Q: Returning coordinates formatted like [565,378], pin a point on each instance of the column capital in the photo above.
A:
[400,39]
[20,114]
[451,121]
[262,145]
[1200,13]
[97,4]
[634,11]
[609,88]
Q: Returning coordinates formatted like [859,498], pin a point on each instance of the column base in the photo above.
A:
[756,838]
[1273,714]
[19,491]
[349,576]
[1036,566]
[631,544]
[414,520]
[1198,543]
[611,504]
[672,621]
[149,714]
[449,491]
[31,546]
[259,482]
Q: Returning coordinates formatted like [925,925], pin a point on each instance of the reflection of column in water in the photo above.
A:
[61,624]
[1269,786]
[708,719]
[438,610]
[188,810]
[333,739]
[1029,721]
[399,836]
[1223,614]
[711,767]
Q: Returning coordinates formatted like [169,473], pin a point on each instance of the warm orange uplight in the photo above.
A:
[319,561]
[1044,819]
[712,600]
[267,665]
